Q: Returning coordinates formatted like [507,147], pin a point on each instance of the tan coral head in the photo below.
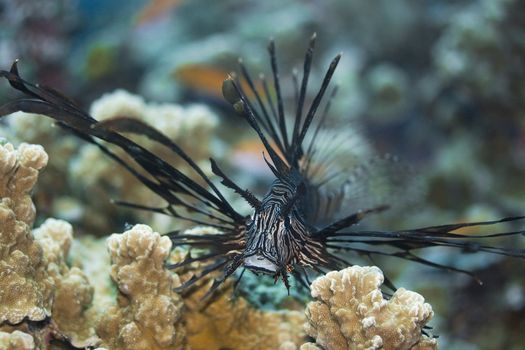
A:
[350,312]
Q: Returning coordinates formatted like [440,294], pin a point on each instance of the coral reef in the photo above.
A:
[42,284]
[437,83]
[149,313]
[350,313]
[149,310]
[184,125]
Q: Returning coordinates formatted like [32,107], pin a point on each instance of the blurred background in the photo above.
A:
[440,84]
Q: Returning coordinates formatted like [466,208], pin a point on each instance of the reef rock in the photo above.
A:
[350,313]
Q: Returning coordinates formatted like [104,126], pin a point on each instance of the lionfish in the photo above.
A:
[294,228]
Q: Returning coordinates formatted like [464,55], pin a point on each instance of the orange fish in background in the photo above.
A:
[248,154]
[201,78]
[155,9]
[208,80]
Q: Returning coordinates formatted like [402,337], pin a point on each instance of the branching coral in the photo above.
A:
[73,294]
[149,313]
[351,313]
[26,288]
[36,281]
[16,341]
[183,124]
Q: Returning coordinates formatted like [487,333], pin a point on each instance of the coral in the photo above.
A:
[233,324]
[26,288]
[16,341]
[350,313]
[90,254]
[91,168]
[118,103]
[148,313]
[38,129]
[36,281]
[73,294]
[183,124]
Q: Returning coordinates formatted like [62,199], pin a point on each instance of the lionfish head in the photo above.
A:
[275,232]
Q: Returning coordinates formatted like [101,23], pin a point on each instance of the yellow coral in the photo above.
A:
[234,324]
[148,314]
[350,313]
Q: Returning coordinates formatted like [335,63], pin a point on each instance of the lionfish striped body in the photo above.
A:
[296,227]
[278,235]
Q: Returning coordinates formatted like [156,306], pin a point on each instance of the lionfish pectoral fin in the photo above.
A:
[162,178]
[215,285]
[13,76]
[302,281]
[131,125]
[160,210]
[449,228]
[217,282]
[205,271]
[406,241]
[349,221]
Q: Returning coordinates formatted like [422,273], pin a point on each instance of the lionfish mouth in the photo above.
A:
[259,263]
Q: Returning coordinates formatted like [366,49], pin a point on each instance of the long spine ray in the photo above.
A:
[271,128]
[316,102]
[304,84]
[277,85]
